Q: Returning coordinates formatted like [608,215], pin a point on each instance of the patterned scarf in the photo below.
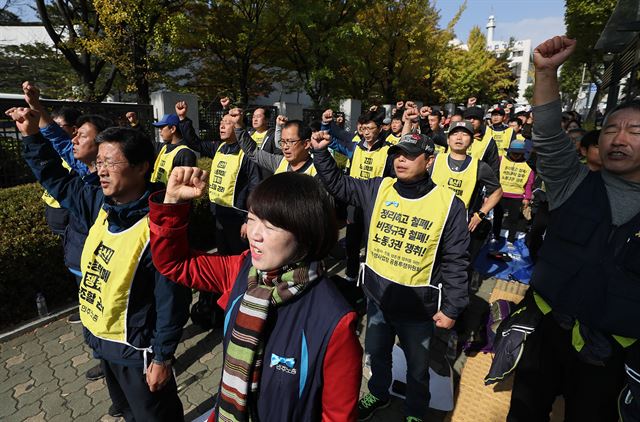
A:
[243,360]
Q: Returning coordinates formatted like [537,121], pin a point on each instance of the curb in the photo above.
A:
[37,323]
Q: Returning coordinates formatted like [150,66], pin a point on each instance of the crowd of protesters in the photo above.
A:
[422,190]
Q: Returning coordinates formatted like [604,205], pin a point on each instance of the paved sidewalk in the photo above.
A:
[42,376]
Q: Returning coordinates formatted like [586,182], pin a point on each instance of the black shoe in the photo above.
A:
[114,412]
[95,373]
[74,318]
[370,404]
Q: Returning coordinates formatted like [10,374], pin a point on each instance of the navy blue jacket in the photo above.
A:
[158,308]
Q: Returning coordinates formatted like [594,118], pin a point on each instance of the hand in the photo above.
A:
[549,55]
[132,117]
[399,104]
[411,114]
[158,376]
[410,104]
[281,120]
[185,183]
[236,116]
[340,119]
[373,108]
[425,111]
[26,119]
[224,102]
[320,140]
[526,203]
[181,109]
[471,102]
[243,231]
[473,223]
[327,116]
[31,94]
[443,321]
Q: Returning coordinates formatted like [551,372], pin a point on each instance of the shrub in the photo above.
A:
[31,257]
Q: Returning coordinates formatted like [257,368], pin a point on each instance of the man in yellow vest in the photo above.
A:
[369,159]
[395,129]
[484,147]
[132,315]
[516,179]
[415,269]
[498,131]
[173,151]
[263,136]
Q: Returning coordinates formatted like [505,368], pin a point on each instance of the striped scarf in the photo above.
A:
[243,359]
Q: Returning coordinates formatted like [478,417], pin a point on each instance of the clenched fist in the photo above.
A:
[185,184]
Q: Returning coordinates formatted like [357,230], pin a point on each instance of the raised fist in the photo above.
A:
[185,184]
[399,104]
[181,109]
[236,116]
[471,102]
[327,116]
[553,52]
[320,140]
[224,102]
[281,120]
[26,119]
[410,104]
[411,114]
[31,93]
[373,108]
[425,111]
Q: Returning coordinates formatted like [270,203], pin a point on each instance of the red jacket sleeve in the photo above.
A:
[173,258]
[342,370]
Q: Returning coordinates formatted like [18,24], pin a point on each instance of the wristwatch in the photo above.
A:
[165,363]
[481,215]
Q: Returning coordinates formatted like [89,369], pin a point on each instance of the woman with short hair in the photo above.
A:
[290,348]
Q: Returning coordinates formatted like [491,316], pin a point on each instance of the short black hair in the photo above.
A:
[69,114]
[397,116]
[315,125]
[100,122]
[632,104]
[267,112]
[299,204]
[304,131]
[373,116]
[590,139]
[515,120]
[135,145]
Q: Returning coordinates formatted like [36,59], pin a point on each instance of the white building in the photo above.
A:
[520,59]
[24,34]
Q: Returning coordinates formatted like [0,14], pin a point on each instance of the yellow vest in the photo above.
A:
[404,234]
[520,137]
[368,164]
[513,176]
[283,167]
[46,196]
[259,137]
[462,183]
[224,176]
[502,138]
[439,149]
[392,139]
[109,263]
[479,146]
[164,164]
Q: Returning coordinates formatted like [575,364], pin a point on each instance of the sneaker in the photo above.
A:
[114,412]
[368,405]
[413,419]
[95,373]
[74,318]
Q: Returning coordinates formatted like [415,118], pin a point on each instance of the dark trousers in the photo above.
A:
[414,339]
[538,227]
[130,393]
[510,207]
[355,231]
[550,366]
[228,240]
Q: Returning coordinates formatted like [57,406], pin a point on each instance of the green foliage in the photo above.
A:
[31,257]
[570,77]
[528,93]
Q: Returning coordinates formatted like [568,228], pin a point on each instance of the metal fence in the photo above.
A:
[14,171]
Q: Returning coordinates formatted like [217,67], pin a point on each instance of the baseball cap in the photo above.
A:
[517,146]
[386,121]
[474,113]
[462,125]
[413,144]
[168,120]
[498,110]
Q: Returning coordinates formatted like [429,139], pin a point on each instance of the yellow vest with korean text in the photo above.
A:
[224,176]
[502,138]
[109,264]
[283,167]
[513,176]
[164,164]
[404,234]
[47,198]
[392,139]
[462,183]
[259,137]
[368,164]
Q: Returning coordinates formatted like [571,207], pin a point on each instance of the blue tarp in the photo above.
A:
[519,269]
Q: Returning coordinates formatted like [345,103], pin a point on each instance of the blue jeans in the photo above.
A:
[414,339]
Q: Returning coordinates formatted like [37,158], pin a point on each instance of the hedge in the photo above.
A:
[31,256]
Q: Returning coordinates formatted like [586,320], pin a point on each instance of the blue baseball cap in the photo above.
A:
[168,120]
[517,146]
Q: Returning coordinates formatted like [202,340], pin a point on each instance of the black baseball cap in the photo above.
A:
[463,125]
[413,144]
[474,113]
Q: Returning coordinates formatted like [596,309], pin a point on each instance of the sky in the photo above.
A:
[522,19]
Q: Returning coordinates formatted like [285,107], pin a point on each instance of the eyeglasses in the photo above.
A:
[368,128]
[110,165]
[288,142]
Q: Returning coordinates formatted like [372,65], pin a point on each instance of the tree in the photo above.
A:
[570,79]
[67,23]
[474,72]
[137,37]
[528,93]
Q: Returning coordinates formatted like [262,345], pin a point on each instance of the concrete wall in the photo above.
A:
[164,102]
